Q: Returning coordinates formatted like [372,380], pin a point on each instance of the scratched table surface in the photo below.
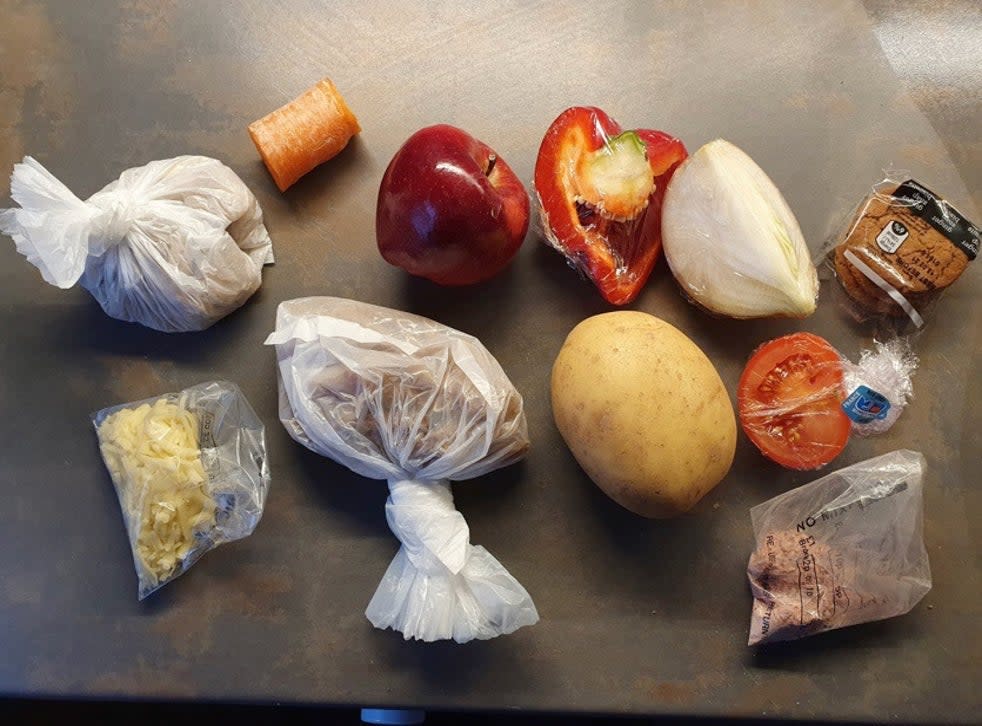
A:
[638,616]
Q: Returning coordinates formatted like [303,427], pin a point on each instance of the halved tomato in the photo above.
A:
[790,399]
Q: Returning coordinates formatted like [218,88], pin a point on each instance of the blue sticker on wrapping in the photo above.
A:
[864,405]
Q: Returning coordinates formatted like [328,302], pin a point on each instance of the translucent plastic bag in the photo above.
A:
[174,245]
[842,550]
[898,252]
[190,472]
[398,397]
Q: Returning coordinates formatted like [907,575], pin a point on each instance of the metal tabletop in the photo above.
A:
[637,616]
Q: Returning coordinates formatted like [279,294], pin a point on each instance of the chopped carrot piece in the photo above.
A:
[306,132]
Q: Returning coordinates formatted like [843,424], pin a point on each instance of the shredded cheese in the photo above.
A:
[153,456]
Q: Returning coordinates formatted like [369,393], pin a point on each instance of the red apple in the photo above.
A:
[449,208]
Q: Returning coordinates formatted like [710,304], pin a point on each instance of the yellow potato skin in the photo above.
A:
[643,411]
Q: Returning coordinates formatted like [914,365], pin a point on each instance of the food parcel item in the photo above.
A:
[600,192]
[842,550]
[879,386]
[644,412]
[800,398]
[398,397]
[903,247]
[190,472]
[303,134]
[449,208]
[174,245]
[732,241]
[790,398]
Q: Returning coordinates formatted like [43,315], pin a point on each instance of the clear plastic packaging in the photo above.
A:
[842,550]
[879,386]
[398,397]
[174,245]
[190,472]
[898,252]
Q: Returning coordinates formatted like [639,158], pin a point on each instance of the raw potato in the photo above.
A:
[644,412]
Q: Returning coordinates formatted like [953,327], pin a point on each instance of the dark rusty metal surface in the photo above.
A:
[637,616]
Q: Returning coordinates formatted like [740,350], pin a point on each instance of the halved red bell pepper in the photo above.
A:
[600,192]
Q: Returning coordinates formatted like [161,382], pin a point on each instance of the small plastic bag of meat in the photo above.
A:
[398,397]
[174,245]
[842,550]
[190,472]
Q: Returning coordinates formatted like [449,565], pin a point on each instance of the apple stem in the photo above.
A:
[491,159]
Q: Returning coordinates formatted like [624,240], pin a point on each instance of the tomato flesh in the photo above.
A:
[790,399]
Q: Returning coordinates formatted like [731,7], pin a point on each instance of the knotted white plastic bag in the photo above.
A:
[398,397]
[174,245]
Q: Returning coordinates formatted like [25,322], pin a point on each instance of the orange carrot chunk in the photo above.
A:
[306,132]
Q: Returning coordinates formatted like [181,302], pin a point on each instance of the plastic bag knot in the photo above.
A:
[114,222]
[422,515]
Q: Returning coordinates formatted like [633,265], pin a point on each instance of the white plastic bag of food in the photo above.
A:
[190,472]
[174,245]
[398,397]
[842,550]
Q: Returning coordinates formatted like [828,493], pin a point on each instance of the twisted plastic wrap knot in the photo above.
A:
[433,533]
[111,226]
[439,586]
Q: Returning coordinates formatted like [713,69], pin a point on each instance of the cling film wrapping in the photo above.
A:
[600,190]
[790,396]
[800,398]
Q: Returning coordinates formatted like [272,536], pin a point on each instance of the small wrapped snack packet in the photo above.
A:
[901,249]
